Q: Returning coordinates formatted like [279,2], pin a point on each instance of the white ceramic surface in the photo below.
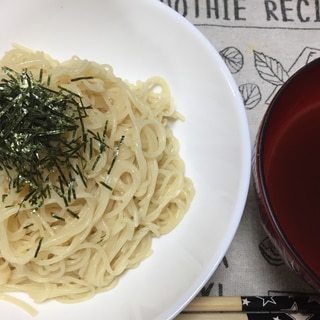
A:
[141,38]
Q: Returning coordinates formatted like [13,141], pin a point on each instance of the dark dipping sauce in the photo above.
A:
[293,183]
[286,172]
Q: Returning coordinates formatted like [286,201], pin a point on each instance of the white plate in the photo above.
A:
[141,38]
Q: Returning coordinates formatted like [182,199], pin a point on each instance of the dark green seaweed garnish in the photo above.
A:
[38,247]
[43,138]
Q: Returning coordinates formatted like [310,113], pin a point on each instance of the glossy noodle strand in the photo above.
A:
[79,256]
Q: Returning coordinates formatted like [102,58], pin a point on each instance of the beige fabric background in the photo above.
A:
[283,35]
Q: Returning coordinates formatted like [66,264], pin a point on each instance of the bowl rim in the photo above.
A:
[260,178]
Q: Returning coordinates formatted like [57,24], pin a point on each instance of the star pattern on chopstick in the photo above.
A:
[315,299]
[294,307]
[290,316]
[266,300]
[276,307]
[281,307]
[245,302]
[299,316]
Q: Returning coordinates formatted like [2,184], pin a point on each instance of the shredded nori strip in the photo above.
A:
[42,132]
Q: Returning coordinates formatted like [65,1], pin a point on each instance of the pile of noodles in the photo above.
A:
[150,193]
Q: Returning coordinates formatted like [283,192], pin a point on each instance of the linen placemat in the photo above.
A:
[263,42]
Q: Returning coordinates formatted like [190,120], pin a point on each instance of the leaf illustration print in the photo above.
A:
[233,58]
[270,69]
[251,95]
[307,55]
[270,253]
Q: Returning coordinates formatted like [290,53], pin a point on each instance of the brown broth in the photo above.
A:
[294,184]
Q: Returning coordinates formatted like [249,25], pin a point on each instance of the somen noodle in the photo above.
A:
[127,183]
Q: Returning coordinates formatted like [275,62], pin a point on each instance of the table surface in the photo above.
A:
[284,35]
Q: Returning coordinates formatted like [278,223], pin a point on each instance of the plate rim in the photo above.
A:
[245,131]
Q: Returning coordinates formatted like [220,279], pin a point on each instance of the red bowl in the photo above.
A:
[286,172]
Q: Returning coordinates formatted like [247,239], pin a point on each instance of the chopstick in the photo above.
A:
[250,307]
[255,304]
[215,316]
[244,316]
